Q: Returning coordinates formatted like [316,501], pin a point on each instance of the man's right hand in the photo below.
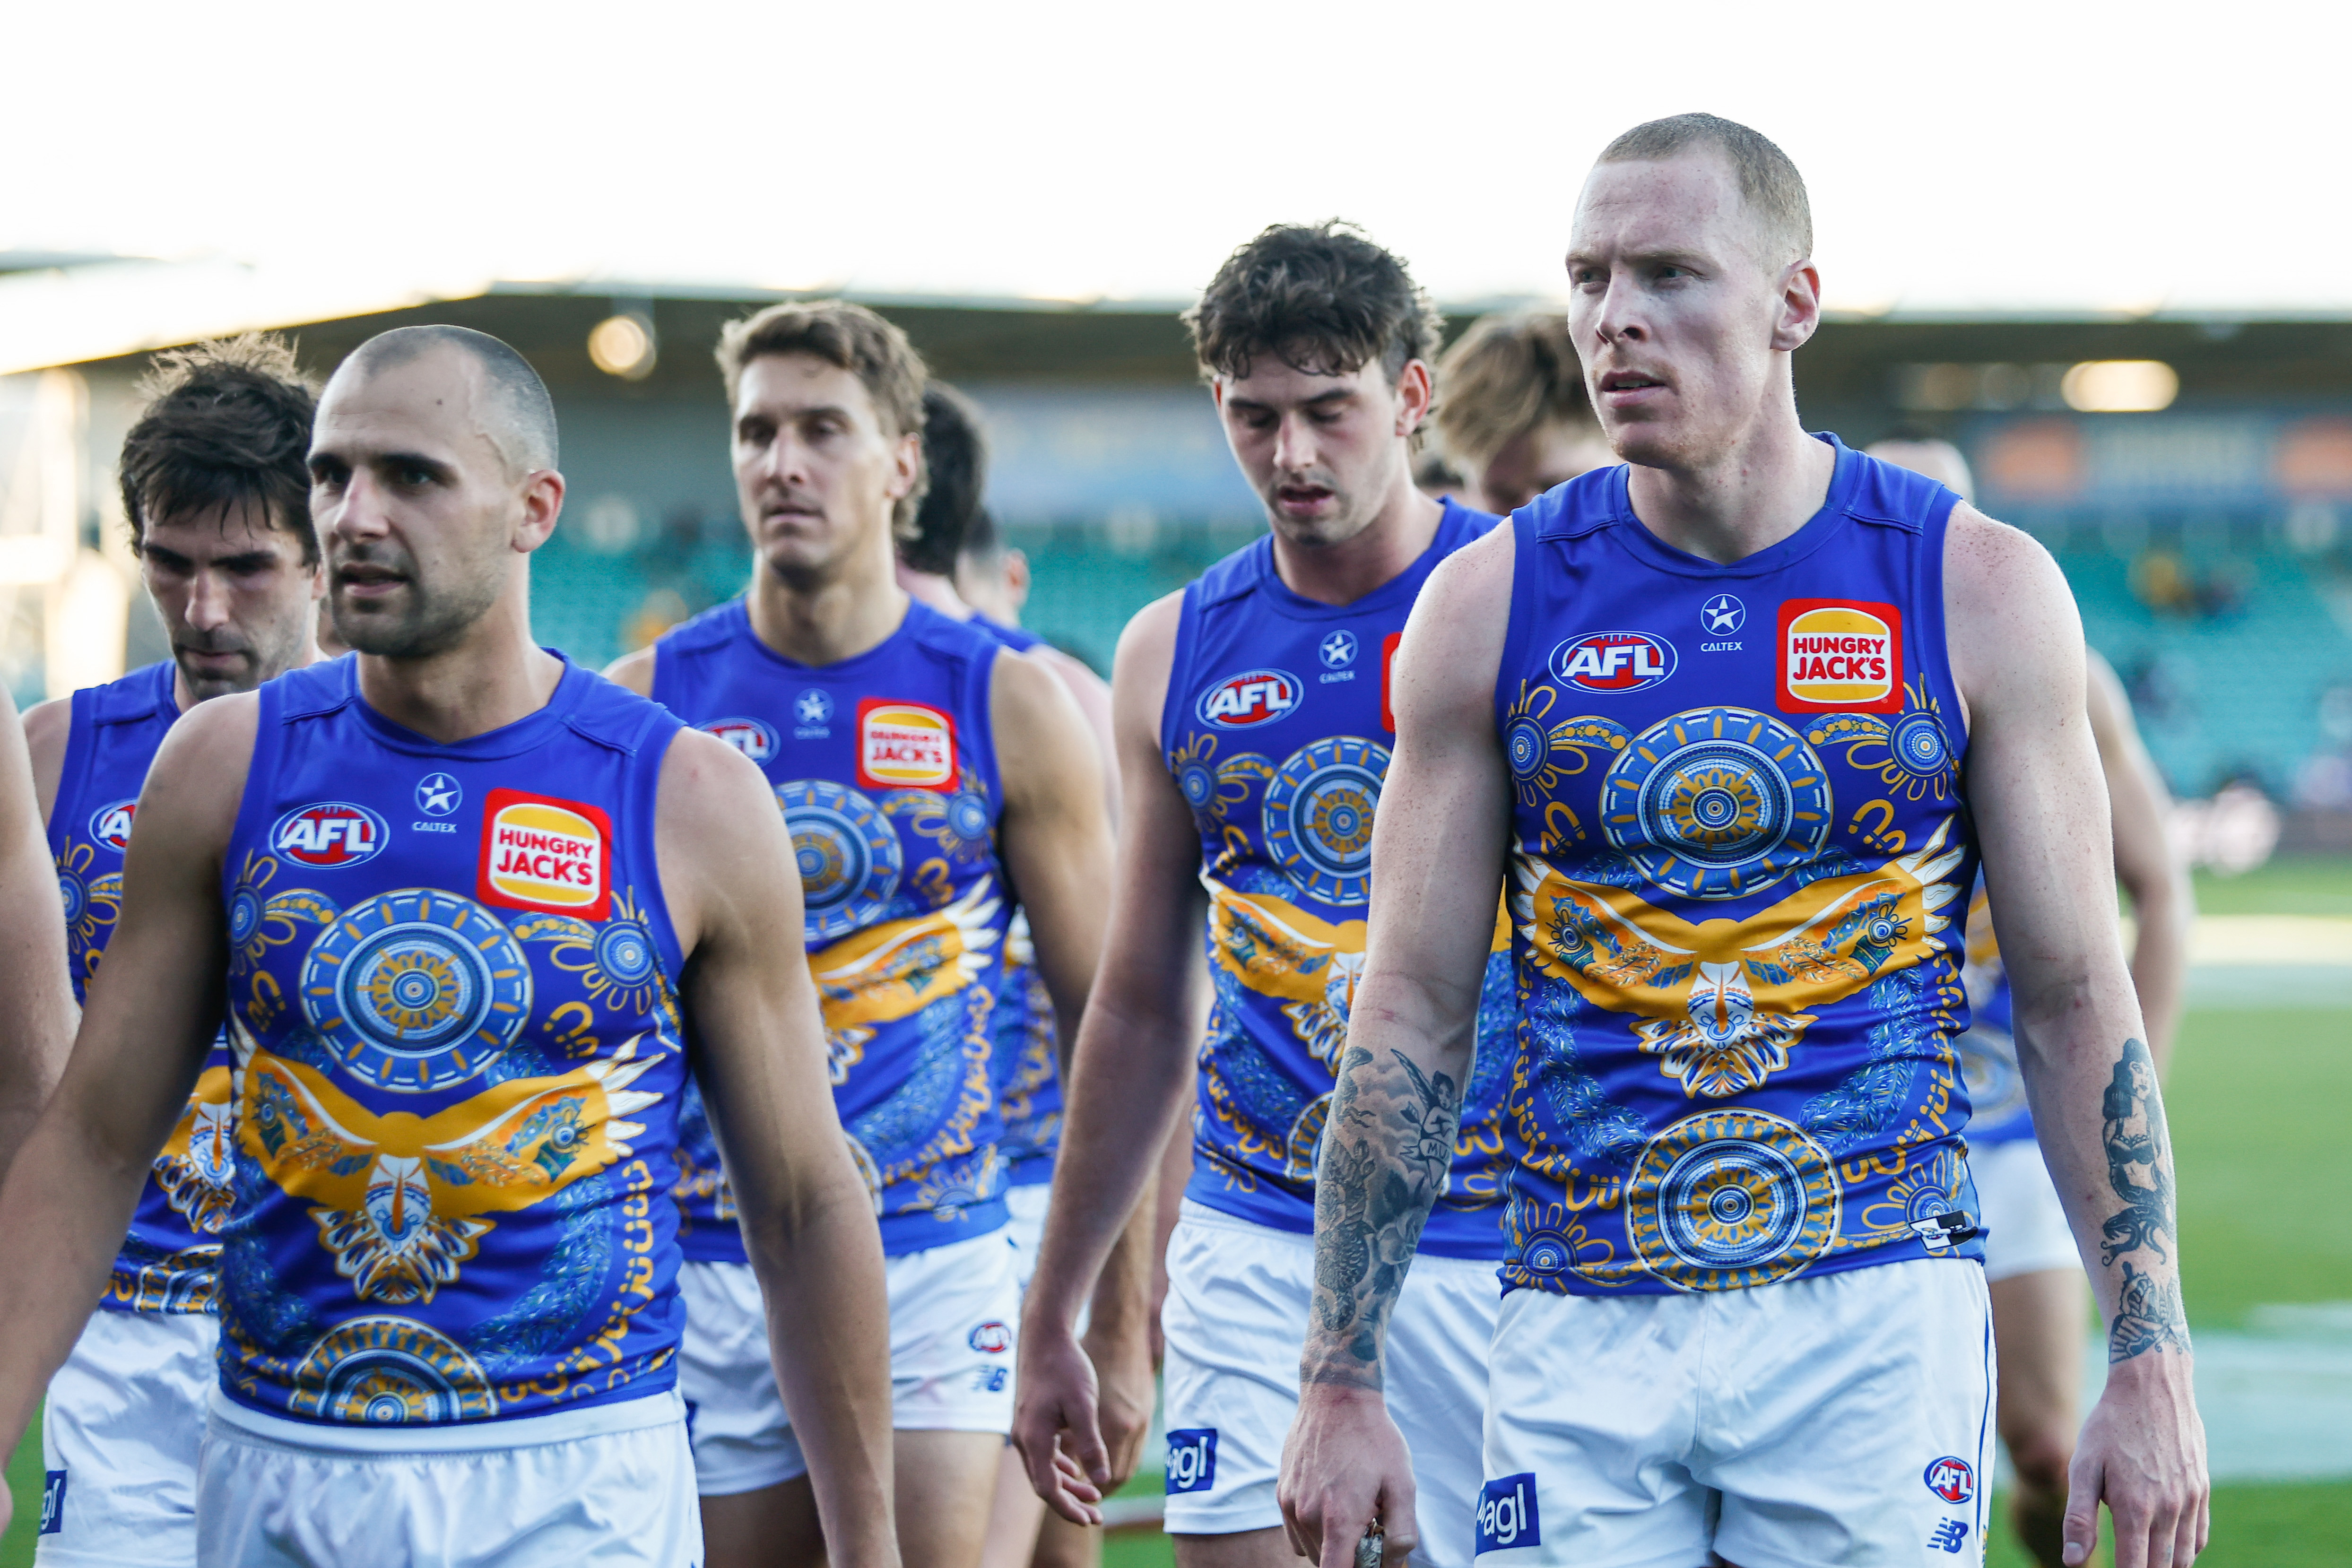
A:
[1345,1469]
[2142,1452]
[1056,1422]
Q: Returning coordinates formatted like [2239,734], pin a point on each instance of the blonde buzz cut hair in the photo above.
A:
[1507,375]
[1769,181]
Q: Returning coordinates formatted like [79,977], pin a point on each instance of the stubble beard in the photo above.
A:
[431,621]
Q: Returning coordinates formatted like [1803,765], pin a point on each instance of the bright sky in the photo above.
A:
[1998,155]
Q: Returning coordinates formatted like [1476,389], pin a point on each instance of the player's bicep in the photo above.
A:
[1155,895]
[1055,838]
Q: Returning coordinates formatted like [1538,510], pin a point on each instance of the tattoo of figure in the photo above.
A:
[2148,1315]
[2139,1150]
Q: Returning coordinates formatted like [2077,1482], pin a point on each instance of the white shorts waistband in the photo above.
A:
[459,1438]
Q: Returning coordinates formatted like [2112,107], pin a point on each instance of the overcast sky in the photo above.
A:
[1999,155]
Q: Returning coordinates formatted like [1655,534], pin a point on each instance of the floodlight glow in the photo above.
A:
[622,346]
[2120,386]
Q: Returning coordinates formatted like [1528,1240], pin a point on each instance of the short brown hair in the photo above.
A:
[1506,376]
[1320,297]
[1768,182]
[226,422]
[858,341]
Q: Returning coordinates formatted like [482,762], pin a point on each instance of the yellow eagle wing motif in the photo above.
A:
[1277,950]
[1720,1003]
[195,1168]
[896,969]
[398,1198]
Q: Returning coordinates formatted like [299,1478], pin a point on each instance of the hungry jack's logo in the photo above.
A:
[1841,655]
[905,746]
[539,852]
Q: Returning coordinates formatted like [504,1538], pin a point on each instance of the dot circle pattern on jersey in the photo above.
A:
[1920,747]
[624,951]
[1200,786]
[243,915]
[76,896]
[1525,745]
[848,855]
[1716,802]
[391,1371]
[1988,1070]
[416,990]
[1319,817]
[1727,1200]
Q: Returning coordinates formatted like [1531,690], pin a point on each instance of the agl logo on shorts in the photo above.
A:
[1252,698]
[1507,1515]
[905,746]
[543,853]
[1191,1460]
[1840,654]
[329,834]
[1613,661]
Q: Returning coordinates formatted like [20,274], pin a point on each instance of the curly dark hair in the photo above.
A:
[1320,297]
[955,451]
[226,422]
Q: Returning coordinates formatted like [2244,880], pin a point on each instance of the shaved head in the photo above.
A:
[521,416]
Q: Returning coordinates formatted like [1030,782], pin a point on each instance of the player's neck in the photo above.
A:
[1748,496]
[1368,560]
[928,588]
[493,676]
[822,618]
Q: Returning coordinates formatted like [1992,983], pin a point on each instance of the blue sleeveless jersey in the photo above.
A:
[1028,1068]
[1276,727]
[885,766]
[1736,891]
[452,1001]
[167,1261]
[1998,1112]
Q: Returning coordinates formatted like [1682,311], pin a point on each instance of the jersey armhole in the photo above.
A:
[641,812]
[1180,660]
[977,699]
[81,741]
[1934,649]
[1526,545]
[253,802]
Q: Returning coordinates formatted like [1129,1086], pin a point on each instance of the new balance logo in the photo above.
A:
[1949,1534]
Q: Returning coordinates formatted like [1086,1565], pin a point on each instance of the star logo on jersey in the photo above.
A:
[814,706]
[1338,650]
[438,794]
[1722,614]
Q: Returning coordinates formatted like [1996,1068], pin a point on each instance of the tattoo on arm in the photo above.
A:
[2147,1314]
[1389,1146]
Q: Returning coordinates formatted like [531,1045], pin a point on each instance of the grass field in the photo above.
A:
[2256,1099]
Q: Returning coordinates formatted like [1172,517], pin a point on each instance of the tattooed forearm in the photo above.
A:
[2147,1313]
[1389,1146]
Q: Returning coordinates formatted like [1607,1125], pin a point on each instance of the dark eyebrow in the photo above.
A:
[1337,395]
[439,470]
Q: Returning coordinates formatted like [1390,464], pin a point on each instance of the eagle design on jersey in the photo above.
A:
[897,969]
[1277,950]
[1721,1003]
[399,1199]
[195,1169]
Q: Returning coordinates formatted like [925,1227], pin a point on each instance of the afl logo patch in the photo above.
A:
[543,853]
[991,1338]
[1841,655]
[905,746]
[330,833]
[748,735]
[1252,698]
[1612,662]
[1952,1478]
[110,825]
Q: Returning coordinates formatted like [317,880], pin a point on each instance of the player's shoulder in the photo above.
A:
[1236,575]
[1987,561]
[613,714]
[1874,490]
[714,628]
[47,726]
[1149,634]
[944,636]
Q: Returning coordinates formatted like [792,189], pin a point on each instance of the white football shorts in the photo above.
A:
[954,1312]
[1027,1207]
[2025,1228]
[1840,1417]
[119,1436]
[611,1484]
[1238,1295]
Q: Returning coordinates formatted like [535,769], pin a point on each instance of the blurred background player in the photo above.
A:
[1512,418]
[1250,713]
[1750,1322]
[216,484]
[2040,1296]
[36,1025]
[460,1010]
[1028,1049]
[923,777]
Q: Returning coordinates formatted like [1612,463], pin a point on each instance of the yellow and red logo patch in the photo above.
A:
[539,852]
[905,746]
[1841,655]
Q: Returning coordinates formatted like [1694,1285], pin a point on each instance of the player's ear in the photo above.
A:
[1414,391]
[905,465]
[543,504]
[1801,307]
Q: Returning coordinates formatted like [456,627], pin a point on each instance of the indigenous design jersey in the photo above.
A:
[1740,856]
[1028,1070]
[167,1261]
[1277,729]
[885,766]
[459,1058]
[1998,1112]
